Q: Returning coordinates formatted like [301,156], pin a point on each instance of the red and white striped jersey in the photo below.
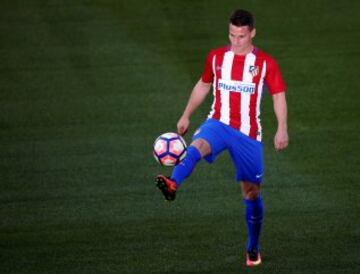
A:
[238,81]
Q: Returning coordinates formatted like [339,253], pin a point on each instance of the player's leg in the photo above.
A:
[198,149]
[246,154]
[168,185]
[254,217]
[206,144]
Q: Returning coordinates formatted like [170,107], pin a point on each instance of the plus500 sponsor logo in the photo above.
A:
[236,86]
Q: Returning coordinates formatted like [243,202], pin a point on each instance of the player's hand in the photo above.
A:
[281,140]
[183,125]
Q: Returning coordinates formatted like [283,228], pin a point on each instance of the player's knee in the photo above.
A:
[202,146]
[250,191]
[251,195]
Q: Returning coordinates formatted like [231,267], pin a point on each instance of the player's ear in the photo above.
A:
[253,33]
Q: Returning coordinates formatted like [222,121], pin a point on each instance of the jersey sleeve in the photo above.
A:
[273,78]
[207,75]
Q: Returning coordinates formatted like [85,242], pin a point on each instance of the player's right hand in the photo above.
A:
[183,125]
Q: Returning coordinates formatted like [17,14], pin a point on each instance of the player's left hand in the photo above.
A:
[281,140]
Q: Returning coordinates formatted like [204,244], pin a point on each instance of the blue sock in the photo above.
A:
[254,218]
[184,169]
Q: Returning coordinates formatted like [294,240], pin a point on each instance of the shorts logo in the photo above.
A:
[197,132]
[236,86]
[254,70]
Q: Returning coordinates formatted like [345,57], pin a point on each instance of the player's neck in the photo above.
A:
[242,51]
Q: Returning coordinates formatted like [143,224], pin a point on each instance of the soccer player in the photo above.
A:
[237,73]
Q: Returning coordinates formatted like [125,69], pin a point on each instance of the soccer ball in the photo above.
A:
[169,149]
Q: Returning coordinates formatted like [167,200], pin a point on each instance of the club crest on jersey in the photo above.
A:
[254,70]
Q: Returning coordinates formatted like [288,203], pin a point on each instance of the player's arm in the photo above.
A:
[281,139]
[198,95]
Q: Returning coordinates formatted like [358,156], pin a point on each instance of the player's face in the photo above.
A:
[241,39]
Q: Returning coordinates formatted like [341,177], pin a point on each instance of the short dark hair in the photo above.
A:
[242,18]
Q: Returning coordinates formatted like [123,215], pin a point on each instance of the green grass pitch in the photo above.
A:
[85,88]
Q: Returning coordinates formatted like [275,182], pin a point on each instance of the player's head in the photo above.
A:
[241,30]
[241,18]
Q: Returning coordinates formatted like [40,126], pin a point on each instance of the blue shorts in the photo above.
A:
[246,153]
